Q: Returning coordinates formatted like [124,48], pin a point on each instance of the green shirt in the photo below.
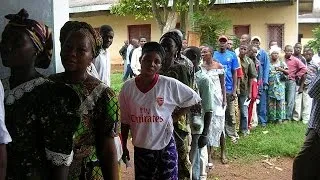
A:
[205,89]
[249,72]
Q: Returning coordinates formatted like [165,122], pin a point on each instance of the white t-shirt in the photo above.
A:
[130,47]
[91,70]
[316,59]
[149,114]
[135,63]
[5,137]
[237,51]
[103,66]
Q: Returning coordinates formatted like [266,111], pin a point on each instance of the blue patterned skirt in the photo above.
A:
[156,164]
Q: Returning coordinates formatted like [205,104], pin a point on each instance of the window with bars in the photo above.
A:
[276,33]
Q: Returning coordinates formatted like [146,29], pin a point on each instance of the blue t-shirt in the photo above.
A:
[230,63]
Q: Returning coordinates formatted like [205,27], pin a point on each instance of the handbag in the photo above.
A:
[283,77]
[196,120]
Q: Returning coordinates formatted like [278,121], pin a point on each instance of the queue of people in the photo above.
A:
[66,126]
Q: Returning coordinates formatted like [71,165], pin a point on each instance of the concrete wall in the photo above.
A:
[306,29]
[120,27]
[258,18]
[40,10]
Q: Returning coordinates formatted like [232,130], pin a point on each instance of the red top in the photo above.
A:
[296,68]
[239,71]
[153,83]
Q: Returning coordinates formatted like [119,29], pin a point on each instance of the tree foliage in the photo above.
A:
[210,26]
[165,12]
[315,44]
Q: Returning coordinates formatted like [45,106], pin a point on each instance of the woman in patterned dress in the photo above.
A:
[276,90]
[95,155]
[31,100]
[217,134]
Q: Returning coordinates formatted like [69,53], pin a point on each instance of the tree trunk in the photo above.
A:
[192,8]
[196,5]
[183,22]
[157,15]
[171,21]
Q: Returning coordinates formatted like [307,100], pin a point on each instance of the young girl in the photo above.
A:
[147,103]
[95,155]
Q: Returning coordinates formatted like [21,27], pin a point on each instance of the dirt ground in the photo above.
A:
[272,169]
[264,169]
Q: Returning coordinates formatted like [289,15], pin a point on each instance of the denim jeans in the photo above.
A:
[290,97]
[127,73]
[243,114]
[262,108]
[198,158]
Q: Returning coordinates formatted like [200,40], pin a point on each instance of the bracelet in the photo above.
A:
[204,135]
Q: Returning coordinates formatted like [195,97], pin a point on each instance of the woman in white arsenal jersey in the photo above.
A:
[147,103]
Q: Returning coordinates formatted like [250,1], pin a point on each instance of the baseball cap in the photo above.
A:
[222,37]
[256,37]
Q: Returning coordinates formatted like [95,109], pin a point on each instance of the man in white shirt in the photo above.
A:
[5,137]
[135,63]
[316,58]
[103,62]
[127,70]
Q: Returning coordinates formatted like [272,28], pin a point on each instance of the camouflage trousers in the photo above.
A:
[183,140]
[237,113]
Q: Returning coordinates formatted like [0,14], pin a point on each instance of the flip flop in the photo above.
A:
[210,166]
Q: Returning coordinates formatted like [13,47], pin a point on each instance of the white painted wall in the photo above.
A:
[316,6]
[54,13]
[60,16]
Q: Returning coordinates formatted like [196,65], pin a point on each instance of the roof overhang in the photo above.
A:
[309,18]
[90,8]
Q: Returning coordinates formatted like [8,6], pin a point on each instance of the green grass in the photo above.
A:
[281,139]
[116,82]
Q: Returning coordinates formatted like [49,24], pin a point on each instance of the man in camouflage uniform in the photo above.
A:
[179,67]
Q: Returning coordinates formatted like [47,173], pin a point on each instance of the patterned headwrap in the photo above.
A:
[85,28]
[38,33]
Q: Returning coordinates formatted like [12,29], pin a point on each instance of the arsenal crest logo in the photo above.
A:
[160,101]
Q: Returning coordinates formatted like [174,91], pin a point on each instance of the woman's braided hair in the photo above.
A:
[176,38]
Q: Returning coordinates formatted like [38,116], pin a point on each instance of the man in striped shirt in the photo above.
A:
[306,164]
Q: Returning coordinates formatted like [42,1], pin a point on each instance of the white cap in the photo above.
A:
[256,37]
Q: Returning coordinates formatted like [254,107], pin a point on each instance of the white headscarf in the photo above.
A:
[275,49]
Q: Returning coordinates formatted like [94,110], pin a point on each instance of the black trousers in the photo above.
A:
[306,165]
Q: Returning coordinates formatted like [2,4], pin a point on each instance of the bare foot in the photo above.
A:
[224,159]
